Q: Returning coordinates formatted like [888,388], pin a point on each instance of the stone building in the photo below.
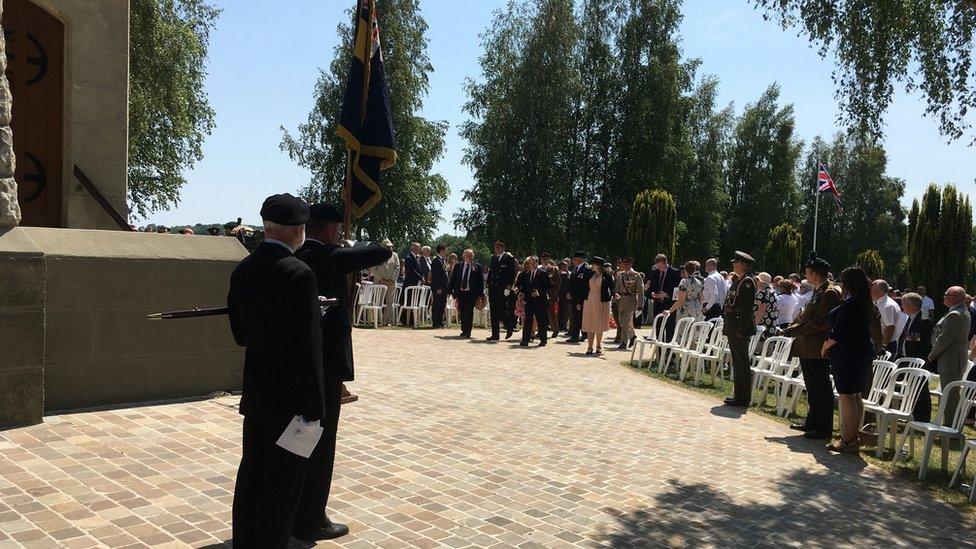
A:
[75,287]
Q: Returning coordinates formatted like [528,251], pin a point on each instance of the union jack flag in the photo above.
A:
[825,183]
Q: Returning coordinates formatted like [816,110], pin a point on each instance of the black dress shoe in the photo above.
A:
[492,338]
[733,402]
[632,340]
[800,427]
[573,340]
[817,435]
[622,346]
[524,344]
[542,344]
[509,333]
[331,530]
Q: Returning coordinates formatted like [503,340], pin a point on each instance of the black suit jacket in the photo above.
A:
[331,264]
[539,282]
[606,286]
[411,270]
[578,280]
[501,272]
[438,275]
[666,283]
[476,281]
[274,313]
[918,337]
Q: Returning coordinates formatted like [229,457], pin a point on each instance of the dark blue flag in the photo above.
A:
[366,124]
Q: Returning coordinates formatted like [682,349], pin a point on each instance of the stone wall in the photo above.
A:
[73,306]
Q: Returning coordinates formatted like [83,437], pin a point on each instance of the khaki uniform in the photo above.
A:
[386,274]
[629,285]
[739,324]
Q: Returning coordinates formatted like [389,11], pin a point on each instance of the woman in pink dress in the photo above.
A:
[596,304]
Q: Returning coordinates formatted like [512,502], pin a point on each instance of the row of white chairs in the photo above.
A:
[415,309]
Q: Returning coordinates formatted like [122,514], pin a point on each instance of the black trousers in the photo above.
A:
[565,310]
[539,310]
[576,329]
[269,483]
[820,395]
[714,311]
[318,479]
[438,304]
[498,302]
[669,323]
[466,311]
[739,348]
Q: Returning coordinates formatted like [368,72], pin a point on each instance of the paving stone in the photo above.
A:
[472,444]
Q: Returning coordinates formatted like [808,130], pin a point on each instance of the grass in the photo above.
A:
[936,481]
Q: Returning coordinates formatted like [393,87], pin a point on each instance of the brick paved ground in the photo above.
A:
[471,444]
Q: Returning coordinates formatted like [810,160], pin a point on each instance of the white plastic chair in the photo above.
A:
[937,392]
[961,469]
[397,296]
[911,382]
[698,337]
[711,355]
[775,353]
[451,316]
[373,304]
[415,305]
[945,428]
[657,334]
[681,328]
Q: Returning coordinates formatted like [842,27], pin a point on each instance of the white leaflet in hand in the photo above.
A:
[637,313]
[300,437]
[675,296]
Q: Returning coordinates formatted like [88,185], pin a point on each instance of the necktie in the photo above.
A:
[467,274]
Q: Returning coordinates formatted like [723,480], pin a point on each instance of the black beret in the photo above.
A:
[285,209]
[597,260]
[743,257]
[814,262]
[326,212]
[579,254]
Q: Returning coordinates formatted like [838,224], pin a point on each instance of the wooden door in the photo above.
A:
[35,69]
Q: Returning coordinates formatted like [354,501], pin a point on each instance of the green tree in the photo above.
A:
[938,250]
[169,111]
[970,284]
[651,229]
[872,263]
[412,191]
[924,46]
[784,250]
[762,174]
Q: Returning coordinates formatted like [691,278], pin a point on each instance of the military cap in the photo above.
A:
[597,260]
[818,263]
[743,257]
[162,229]
[213,231]
[625,260]
[285,209]
[579,254]
[326,212]
[545,254]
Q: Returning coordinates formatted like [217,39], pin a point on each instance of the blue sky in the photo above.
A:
[265,57]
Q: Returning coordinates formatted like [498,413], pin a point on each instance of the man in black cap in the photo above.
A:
[501,277]
[577,288]
[331,264]
[809,331]
[739,324]
[274,312]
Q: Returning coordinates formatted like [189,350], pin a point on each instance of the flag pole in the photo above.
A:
[346,197]
[816,208]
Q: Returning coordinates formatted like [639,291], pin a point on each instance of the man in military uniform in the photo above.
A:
[630,293]
[739,324]
[578,279]
[331,264]
[501,277]
[274,312]
[809,331]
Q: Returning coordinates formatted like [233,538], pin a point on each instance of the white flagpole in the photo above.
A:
[816,209]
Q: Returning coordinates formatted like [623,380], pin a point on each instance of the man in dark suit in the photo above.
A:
[274,312]
[439,285]
[332,265]
[661,283]
[739,325]
[535,291]
[809,331]
[412,275]
[915,341]
[578,280]
[467,285]
[566,305]
[501,277]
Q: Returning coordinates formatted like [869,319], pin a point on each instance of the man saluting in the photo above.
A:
[274,312]
[331,264]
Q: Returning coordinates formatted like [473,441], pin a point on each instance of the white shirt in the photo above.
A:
[715,290]
[801,302]
[927,305]
[889,314]
[786,308]
[280,243]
